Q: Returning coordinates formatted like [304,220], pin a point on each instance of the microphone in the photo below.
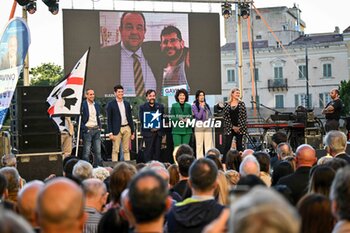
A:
[253,102]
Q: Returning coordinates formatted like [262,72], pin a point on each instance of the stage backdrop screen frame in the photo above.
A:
[99,30]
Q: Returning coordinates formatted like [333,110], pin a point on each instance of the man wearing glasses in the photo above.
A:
[137,65]
[176,57]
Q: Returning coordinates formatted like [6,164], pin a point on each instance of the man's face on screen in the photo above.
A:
[171,46]
[133,31]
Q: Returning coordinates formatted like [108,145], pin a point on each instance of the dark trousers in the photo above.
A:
[152,147]
[228,143]
[331,124]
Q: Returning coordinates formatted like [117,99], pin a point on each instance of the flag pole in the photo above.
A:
[79,121]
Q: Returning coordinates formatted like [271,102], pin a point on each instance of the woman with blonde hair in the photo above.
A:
[221,191]
[235,120]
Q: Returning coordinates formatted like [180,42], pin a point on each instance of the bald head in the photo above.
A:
[247,152]
[305,156]
[61,206]
[27,200]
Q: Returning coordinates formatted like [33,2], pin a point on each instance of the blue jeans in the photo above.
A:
[92,136]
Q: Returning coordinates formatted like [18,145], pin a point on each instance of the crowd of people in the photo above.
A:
[294,191]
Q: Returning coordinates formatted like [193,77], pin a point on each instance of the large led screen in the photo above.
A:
[148,50]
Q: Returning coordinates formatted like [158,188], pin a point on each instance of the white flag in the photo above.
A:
[66,97]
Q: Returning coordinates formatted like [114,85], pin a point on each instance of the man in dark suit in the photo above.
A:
[151,128]
[91,128]
[120,123]
[133,56]
[299,180]
[335,142]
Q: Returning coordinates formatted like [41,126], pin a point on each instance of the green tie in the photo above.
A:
[138,77]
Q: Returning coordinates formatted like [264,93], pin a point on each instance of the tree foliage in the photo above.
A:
[345,96]
[47,74]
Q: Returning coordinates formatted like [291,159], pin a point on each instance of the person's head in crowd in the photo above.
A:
[155,163]
[264,210]
[148,200]
[61,207]
[13,223]
[232,177]
[264,161]
[305,156]
[9,160]
[278,138]
[184,162]
[161,171]
[67,158]
[282,169]
[321,180]
[132,29]
[203,176]
[335,142]
[82,170]
[340,194]
[216,160]
[3,187]
[221,191]
[95,193]
[247,152]
[283,150]
[316,214]
[336,164]
[214,151]
[172,44]
[119,179]
[13,182]
[285,192]
[68,166]
[233,160]
[183,149]
[139,166]
[113,221]
[181,96]
[250,181]
[292,161]
[249,166]
[27,201]
[174,174]
[323,160]
[100,173]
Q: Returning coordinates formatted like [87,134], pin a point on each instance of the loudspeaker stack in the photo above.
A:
[35,138]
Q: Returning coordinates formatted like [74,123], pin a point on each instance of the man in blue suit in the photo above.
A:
[120,123]
[151,117]
[91,128]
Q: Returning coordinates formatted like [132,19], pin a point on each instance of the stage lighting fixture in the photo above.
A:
[53,6]
[23,2]
[226,10]
[31,7]
[245,11]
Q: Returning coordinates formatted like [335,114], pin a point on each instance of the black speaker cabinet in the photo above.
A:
[30,94]
[29,110]
[34,125]
[36,143]
[39,166]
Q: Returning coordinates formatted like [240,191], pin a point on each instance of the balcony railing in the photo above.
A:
[277,84]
